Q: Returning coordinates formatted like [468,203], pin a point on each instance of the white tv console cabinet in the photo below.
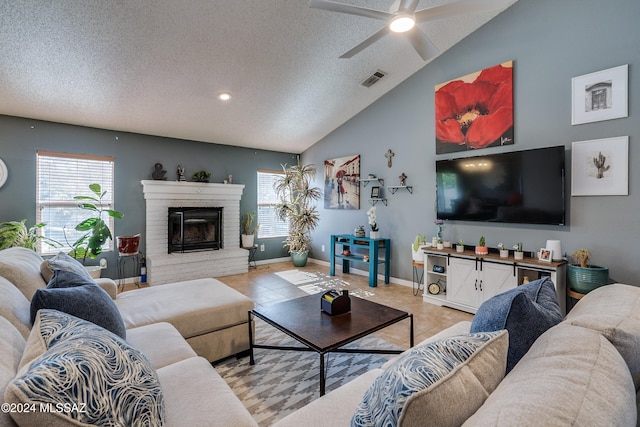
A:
[469,279]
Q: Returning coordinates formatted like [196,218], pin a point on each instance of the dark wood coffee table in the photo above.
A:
[302,319]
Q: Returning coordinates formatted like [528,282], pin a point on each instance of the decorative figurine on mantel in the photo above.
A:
[158,173]
[181,174]
[403,179]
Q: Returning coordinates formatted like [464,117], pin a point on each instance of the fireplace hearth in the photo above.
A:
[194,229]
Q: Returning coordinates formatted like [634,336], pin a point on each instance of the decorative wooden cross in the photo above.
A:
[389,155]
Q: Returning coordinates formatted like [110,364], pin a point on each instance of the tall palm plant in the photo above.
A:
[297,206]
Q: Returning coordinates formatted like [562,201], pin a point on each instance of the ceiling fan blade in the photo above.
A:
[352,10]
[421,43]
[408,6]
[461,7]
[365,44]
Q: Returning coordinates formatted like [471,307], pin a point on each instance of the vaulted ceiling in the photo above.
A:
[156,66]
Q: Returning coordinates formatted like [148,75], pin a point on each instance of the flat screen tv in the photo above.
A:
[524,187]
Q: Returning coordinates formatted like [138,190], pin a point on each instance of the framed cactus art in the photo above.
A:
[600,167]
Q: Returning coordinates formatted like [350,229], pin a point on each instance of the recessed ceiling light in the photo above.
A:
[224,96]
[402,22]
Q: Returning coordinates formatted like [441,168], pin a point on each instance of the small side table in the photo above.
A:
[123,259]
[418,276]
[574,297]
[252,255]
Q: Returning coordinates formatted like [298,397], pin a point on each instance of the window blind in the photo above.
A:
[60,177]
[270,225]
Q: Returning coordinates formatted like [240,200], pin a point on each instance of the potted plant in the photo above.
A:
[371,217]
[249,230]
[96,231]
[296,197]
[417,254]
[584,277]
[482,249]
[440,244]
[16,233]
[518,252]
[201,176]
[460,246]
[504,252]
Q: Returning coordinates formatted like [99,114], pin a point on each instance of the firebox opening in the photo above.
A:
[194,229]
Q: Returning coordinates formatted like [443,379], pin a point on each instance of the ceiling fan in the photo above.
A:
[404,18]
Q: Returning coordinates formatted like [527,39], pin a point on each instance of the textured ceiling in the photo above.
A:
[156,66]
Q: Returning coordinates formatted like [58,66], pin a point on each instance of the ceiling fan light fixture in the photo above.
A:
[402,23]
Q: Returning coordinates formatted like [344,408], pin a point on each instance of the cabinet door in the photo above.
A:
[462,282]
[495,279]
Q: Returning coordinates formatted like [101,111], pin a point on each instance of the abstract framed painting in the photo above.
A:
[475,111]
[598,96]
[600,167]
[342,183]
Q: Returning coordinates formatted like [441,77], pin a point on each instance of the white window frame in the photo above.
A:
[270,225]
[60,177]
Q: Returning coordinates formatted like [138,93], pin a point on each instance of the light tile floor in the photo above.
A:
[265,287]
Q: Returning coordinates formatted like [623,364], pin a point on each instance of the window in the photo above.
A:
[61,176]
[270,225]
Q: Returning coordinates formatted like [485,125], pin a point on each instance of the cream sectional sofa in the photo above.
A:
[584,371]
[174,326]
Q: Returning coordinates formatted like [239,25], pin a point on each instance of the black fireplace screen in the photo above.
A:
[194,229]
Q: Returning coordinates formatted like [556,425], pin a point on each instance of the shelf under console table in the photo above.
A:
[472,279]
[378,251]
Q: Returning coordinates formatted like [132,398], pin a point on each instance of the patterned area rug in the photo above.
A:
[282,381]
[314,282]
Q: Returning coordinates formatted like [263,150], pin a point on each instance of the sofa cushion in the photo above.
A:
[11,346]
[14,307]
[196,395]
[423,382]
[571,376]
[62,261]
[86,368]
[526,312]
[613,311]
[194,307]
[21,266]
[81,297]
[170,349]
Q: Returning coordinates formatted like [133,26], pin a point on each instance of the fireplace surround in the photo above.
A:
[164,267]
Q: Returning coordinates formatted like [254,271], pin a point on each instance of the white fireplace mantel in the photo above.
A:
[163,267]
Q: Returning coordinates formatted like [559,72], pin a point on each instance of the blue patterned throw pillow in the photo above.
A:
[87,375]
[463,369]
[526,312]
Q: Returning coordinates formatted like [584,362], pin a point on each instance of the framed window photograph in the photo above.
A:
[600,167]
[545,255]
[598,96]
[375,192]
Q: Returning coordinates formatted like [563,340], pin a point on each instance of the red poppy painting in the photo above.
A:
[475,111]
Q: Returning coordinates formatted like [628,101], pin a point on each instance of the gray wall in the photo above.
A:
[550,42]
[135,156]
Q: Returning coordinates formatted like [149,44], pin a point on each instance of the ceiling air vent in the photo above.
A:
[373,78]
